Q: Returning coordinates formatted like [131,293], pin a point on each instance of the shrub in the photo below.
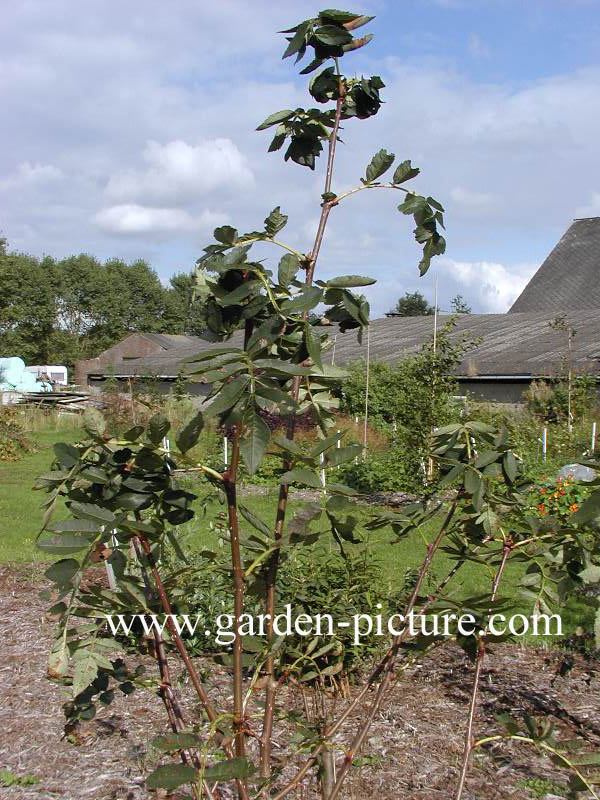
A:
[14,442]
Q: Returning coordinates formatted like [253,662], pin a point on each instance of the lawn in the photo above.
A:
[20,520]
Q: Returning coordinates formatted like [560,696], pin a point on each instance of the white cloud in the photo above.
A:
[28,174]
[493,287]
[178,171]
[133,219]
[150,118]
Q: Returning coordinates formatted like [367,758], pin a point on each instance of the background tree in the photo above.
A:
[189,313]
[60,311]
[459,305]
[413,304]
[27,306]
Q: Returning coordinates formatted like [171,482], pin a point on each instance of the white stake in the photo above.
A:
[110,573]
[322,462]
[593,436]
[225,453]
[544,443]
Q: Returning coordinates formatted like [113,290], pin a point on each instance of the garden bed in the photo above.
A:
[412,750]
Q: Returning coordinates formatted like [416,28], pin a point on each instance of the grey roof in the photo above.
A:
[569,278]
[169,341]
[517,344]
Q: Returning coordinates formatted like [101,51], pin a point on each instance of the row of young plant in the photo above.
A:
[126,505]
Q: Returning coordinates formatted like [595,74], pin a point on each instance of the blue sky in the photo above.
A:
[129,131]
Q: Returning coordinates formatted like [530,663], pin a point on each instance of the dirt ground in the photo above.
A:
[417,738]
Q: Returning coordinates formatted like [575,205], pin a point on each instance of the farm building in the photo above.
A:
[515,348]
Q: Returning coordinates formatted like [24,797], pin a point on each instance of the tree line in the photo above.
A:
[57,311]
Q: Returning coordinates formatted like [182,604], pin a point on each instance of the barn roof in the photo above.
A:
[168,341]
[517,344]
[569,278]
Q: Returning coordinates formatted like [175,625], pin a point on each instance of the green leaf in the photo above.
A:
[380,163]
[66,454]
[273,119]
[404,172]
[255,521]
[235,297]
[324,444]
[485,458]
[74,526]
[170,776]
[225,234]
[171,742]
[288,267]
[340,455]
[58,660]
[94,422]
[349,281]
[227,397]
[213,353]
[332,35]
[472,481]
[303,476]
[190,434]
[289,446]
[339,16]
[233,768]
[589,510]
[275,222]
[282,366]
[312,340]
[254,440]
[92,512]
[133,501]
[85,670]
[310,297]
[64,545]
[158,427]
[297,41]
[62,571]
[511,466]
[413,203]
[340,488]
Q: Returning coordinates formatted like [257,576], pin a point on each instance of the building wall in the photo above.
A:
[134,346]
[198,390]
[494,391]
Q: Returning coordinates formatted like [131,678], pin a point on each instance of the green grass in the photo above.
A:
[20,513]
[20,520]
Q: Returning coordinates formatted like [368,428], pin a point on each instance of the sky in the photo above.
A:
[129,131]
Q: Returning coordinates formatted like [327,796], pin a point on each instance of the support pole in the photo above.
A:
[544,443]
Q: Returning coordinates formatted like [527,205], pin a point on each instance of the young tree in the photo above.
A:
[459,305]
[413,304]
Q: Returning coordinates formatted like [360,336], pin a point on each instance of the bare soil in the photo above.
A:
[417,738]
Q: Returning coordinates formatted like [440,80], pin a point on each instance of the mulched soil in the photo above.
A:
[418,735]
